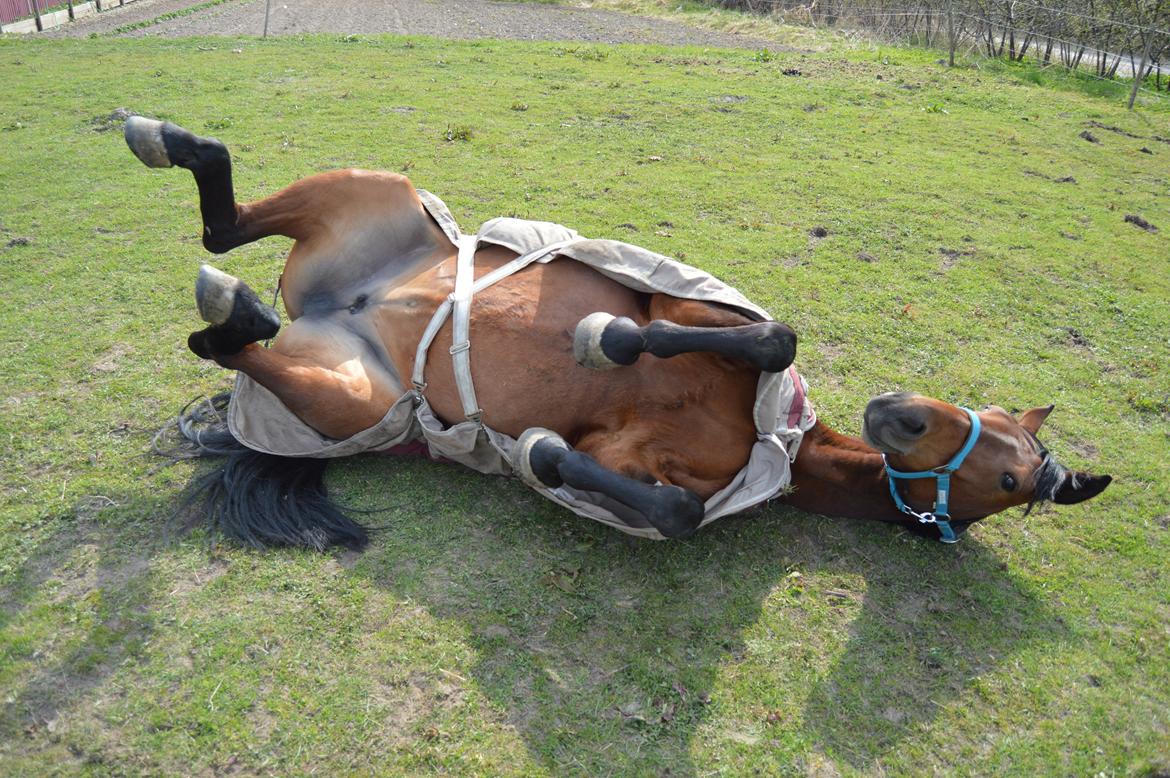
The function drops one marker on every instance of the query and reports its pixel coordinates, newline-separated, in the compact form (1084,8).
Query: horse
(627,401)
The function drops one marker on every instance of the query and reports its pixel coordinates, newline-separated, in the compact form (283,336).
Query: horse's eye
(1008,482)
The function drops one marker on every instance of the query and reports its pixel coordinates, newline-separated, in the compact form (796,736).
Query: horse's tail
(259,499)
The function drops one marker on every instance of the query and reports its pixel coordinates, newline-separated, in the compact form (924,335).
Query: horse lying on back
(630,388)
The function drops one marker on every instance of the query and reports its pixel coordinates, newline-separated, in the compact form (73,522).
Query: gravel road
(465,19)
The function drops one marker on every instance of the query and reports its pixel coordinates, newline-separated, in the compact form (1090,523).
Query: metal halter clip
(940,516)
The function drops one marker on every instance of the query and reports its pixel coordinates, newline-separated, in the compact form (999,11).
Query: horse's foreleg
(603,341)
(543,458)
(162,144)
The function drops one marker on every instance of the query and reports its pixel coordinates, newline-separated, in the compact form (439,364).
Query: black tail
(261,500)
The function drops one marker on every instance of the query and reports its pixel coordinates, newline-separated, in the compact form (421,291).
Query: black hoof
(622,341)
(237,315)
(677,512)
(776,347)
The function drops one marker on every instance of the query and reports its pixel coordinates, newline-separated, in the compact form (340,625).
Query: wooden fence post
(951,29)
(37,14)
(69,3)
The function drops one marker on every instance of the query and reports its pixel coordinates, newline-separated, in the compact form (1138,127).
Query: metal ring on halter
(939,515)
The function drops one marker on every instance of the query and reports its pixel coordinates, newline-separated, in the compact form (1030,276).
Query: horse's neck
(838,475)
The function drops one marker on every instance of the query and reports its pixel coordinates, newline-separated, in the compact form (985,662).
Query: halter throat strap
(939,515)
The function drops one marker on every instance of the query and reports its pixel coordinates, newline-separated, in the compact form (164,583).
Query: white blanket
(782,411)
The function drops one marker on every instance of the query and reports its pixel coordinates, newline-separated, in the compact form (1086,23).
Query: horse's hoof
(677,512)
(145,138)
(215,294)
(535,458)
(226,301)
(587,342)
(236,314)
(777,348)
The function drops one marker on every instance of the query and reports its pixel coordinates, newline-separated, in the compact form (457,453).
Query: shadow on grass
(920,642)
(604,654)
(87,589)
(612,656)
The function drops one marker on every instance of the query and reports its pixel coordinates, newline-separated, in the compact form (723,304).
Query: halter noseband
(940,514)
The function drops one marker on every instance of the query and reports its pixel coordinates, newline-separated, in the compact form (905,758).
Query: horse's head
(1005,464)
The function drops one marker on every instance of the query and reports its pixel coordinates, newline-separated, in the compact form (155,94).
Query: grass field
(976,251)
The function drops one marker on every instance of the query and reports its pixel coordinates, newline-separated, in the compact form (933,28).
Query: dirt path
(466,19)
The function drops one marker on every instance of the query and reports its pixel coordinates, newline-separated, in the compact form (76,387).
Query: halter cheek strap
(940,514)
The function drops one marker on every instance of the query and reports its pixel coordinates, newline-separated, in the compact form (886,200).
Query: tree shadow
(84,606)
(919,642)
(607,655)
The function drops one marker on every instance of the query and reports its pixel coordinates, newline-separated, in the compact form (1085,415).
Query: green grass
(487,632)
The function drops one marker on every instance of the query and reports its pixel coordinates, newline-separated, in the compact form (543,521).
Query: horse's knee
(676,512)
(774,347)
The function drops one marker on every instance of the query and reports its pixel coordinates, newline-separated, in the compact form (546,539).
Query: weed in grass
(459,132)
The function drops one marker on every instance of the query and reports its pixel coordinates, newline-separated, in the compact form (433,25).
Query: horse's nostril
(912,428)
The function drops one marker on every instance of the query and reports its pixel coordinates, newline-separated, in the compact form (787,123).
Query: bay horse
(643,401)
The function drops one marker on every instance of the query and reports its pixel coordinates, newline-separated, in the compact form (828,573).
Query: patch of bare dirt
(458,19)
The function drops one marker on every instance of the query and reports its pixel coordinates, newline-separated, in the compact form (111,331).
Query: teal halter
(940,514)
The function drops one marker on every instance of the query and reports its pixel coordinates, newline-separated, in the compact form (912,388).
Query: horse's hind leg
(603,341)
(236,315)
(293,212)
(543,458)
(315,369)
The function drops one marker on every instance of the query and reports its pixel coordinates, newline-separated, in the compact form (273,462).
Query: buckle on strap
(940,513)
(459,348)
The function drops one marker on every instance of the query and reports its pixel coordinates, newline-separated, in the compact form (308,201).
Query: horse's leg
(236,315)
(603,341)
(226,224)
(162,144)
(543,458)
(315,368)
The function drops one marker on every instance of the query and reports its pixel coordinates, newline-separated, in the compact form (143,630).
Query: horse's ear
(1078,487)
(1032,420)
